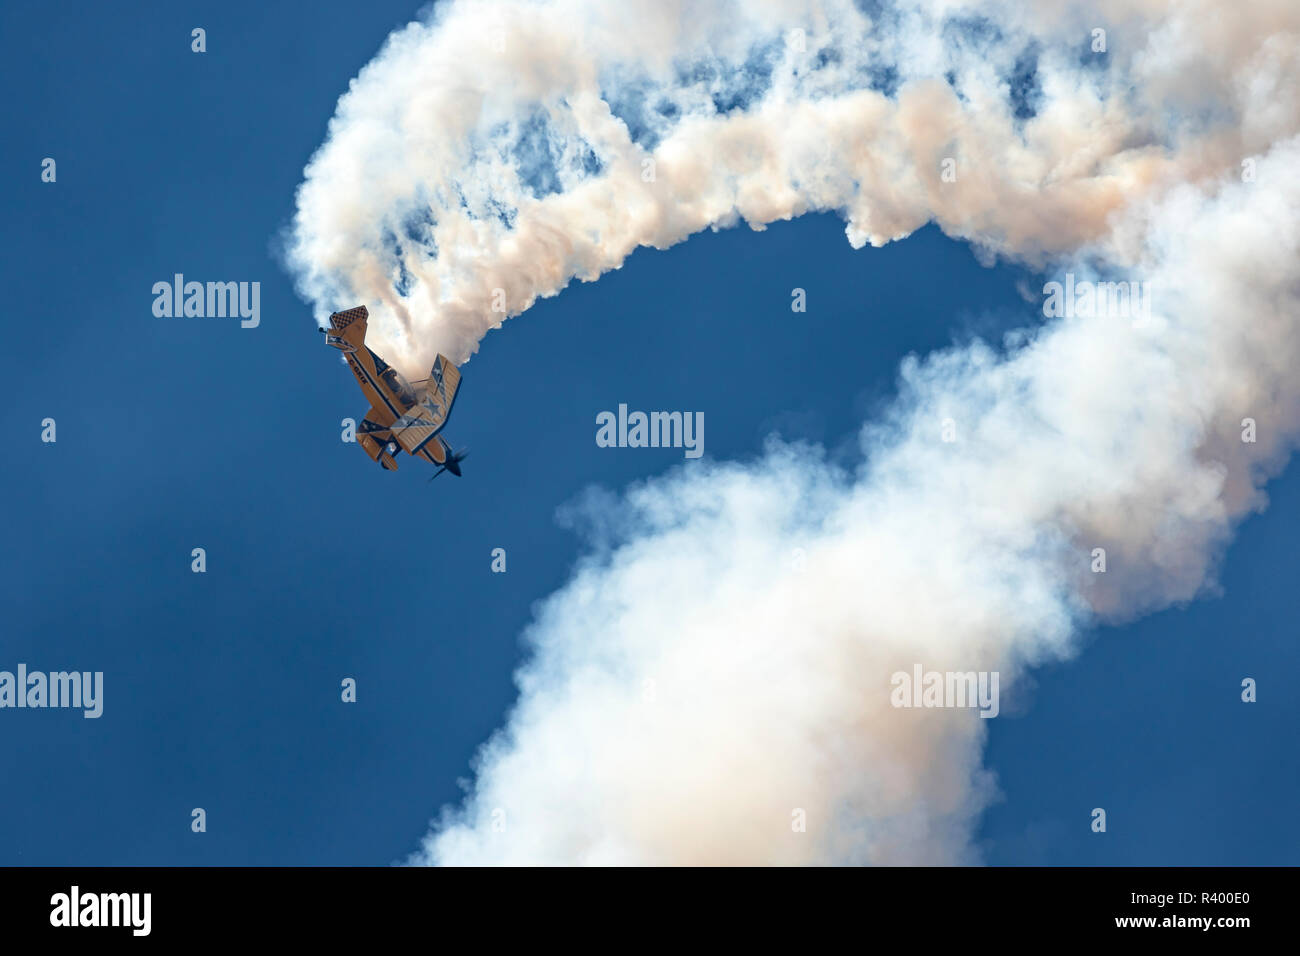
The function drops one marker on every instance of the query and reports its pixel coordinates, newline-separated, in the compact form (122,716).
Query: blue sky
(222,689)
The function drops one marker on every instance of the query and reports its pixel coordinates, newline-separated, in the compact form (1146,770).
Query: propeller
(453,464)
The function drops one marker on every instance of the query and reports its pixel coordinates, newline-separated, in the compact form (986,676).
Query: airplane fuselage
(384,386)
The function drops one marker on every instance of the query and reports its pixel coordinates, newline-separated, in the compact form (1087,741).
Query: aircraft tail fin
(347,329)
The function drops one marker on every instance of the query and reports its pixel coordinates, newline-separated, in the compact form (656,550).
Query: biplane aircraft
(403,416)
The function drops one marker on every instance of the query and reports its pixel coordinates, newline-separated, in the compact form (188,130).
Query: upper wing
(427,417)
(444,380)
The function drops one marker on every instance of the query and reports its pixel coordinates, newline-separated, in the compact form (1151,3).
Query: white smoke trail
(688,689)
(505,145)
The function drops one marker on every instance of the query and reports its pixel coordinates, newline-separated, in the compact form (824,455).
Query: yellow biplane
(402,416)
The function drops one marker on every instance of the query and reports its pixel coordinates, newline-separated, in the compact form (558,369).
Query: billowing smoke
(714,683)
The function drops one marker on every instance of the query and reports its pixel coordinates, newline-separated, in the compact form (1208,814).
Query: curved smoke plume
(692,687)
